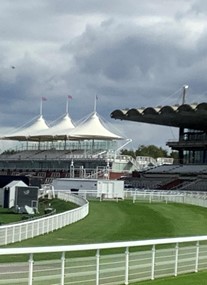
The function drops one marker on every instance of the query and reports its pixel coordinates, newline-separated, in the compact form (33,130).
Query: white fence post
(63,268)
(6,234)
(31,262)
(13,233)
(20,232)
(97,266)
(197,256)
(127,266)
(176,259)
(153,263)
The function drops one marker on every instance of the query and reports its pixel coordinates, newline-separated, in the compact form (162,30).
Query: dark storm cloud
(134,62)
(128,53)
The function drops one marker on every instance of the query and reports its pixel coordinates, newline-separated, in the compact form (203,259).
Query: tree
(150,150)
(128,152)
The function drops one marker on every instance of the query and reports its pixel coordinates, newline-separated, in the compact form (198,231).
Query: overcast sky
(130,54)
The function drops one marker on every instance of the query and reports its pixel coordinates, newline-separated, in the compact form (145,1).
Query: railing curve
(29,229)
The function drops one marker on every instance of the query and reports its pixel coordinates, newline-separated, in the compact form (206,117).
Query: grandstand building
(91,150)
(87,150)
(191,121)
(191,170)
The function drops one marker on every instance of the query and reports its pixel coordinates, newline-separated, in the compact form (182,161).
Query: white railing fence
(136,260)
(20,231)
(165,257)
(185,197)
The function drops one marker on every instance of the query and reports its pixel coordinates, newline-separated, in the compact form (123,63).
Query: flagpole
(41,107)
(67,103)
(67,106)
(95,104)
(41,104)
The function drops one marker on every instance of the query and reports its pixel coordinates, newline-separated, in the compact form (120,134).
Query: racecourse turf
(199,278)
(110,221)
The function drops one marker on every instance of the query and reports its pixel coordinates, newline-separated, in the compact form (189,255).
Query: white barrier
(131,265)
(20,231)
(185,197)
(165,257)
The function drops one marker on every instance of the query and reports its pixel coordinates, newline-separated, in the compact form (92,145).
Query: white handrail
(127,267)
(28,229)
(112,245)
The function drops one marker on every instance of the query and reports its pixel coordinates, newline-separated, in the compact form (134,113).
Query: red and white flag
(44,99)
(70,97)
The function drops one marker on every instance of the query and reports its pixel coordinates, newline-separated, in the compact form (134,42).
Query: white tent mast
(42,99)
(67,104)
(95,103)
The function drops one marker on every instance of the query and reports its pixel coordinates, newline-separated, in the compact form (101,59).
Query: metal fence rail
(137,260)
(134,263)
(184,197)
(29,229)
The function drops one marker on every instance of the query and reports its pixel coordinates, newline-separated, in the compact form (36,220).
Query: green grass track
(199,278)
(109,221)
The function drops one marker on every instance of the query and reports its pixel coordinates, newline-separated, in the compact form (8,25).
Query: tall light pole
(185,87)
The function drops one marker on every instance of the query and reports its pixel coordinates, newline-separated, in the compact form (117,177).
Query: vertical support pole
(38,228)
(127,266)
(31,263)
(197,256)
(62,268)
(26,231)
(97,266)
(32,230)
(134,197)
(43,227)
(176,259)
(6,233)
(13,233)
(48,225)
(20,232)
(153,263)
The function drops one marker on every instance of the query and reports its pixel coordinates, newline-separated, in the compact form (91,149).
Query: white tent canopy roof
(65,123)
(58,131)
(24,133)
(93,128)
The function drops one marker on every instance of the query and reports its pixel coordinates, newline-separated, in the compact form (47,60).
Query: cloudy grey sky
(129,53)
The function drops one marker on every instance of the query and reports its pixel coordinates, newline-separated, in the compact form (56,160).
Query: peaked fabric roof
(93,128)
(58,131)
(65,123)
(24,133)
(191,116)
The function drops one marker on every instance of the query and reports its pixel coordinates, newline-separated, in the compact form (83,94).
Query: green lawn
(9,216)
(110,221)
(188,279)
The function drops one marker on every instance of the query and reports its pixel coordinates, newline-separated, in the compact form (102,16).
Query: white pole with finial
(185,87)
(42,99)
(95,103)
(67,103)
(41,107)
(66,110)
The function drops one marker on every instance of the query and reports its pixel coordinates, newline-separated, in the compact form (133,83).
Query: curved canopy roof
(191,116)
